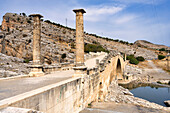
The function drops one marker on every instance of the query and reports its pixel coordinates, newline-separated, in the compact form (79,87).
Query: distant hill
(144,43)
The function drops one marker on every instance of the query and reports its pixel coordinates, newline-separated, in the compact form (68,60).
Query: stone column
(79,37)
(36,68)
(79,68)
(125,56)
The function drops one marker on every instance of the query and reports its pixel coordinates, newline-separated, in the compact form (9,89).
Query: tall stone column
(36,68)
(79,65)
(79,37)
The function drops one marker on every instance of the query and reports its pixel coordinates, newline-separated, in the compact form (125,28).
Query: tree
(24,14)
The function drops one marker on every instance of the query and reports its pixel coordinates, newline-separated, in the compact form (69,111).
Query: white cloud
(125,19)
(99,10)
(99,13)
(139,1)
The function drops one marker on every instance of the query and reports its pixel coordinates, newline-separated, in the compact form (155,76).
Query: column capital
(79,10)
(36,15)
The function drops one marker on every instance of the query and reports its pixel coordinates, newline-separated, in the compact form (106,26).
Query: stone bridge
(64,91)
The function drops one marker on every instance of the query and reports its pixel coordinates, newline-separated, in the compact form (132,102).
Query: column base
(36,74)
(80,71)
(36,71)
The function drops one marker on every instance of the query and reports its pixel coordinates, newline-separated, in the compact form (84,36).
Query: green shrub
(26,60)
(94,48)
(162,49)
(140,58)
(129,57)
(134,61)
(160,57)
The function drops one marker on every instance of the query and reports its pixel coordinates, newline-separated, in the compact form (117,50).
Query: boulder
(167,103)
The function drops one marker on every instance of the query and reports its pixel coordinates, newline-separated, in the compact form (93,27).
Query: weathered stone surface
(18,110)
(79,37)
(36,69)
(12,66)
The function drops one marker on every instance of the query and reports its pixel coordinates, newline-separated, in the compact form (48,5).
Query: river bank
(120,99)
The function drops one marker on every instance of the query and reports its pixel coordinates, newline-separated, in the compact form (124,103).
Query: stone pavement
(13,87)
(9,88)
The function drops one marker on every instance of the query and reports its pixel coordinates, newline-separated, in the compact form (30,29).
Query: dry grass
(162,64)
(144,64)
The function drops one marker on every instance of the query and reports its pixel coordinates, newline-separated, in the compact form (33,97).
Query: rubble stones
(12,66)
(119,94)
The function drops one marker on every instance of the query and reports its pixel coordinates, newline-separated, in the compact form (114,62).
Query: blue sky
(128,20)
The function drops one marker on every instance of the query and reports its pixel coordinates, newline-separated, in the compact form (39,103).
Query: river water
(151,93)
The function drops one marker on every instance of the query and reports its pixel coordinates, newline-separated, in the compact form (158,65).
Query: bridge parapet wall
(68,96)
(63,97)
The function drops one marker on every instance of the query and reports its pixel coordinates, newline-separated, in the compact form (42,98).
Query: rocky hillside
(12,66)
(17,36)
(144,43)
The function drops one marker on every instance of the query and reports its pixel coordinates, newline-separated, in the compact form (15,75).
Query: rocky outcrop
(12,66)
(18,42)
(131,70)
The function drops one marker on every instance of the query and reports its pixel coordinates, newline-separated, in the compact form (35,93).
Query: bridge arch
(118,68)
(113,72)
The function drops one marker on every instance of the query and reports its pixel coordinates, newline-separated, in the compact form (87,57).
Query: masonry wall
(58,98)
(67,97)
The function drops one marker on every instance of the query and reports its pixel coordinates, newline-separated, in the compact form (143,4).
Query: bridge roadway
(13,87)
